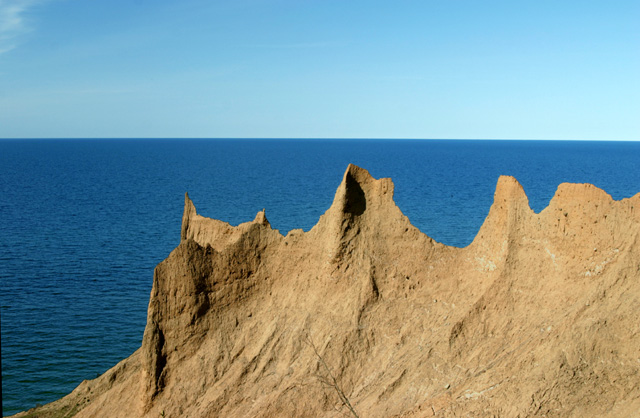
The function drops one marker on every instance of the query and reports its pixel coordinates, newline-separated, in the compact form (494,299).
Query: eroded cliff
(537,317)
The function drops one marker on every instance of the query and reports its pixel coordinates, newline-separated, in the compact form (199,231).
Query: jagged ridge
(538,316)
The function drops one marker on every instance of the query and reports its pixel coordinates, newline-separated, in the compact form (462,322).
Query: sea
(83,223)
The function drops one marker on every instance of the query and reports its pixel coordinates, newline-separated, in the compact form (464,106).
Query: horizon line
(311,138)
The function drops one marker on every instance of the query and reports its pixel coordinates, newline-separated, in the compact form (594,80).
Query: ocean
(84,222)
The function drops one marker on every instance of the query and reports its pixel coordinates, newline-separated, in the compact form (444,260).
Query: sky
(320,69)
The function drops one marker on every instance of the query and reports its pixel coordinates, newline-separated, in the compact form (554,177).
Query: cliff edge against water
(365,314)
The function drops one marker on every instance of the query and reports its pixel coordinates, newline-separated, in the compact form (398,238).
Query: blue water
(83,223)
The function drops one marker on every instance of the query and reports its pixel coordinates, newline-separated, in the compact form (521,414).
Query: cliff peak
(261,218)
(359,189)
(362,211)
(509,190)
(188,213)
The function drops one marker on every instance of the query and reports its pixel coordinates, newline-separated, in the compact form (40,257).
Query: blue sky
(320,68)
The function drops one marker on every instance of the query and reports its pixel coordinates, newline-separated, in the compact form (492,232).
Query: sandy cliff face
(537,317)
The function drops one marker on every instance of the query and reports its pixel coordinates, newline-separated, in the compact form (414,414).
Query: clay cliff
(364,314)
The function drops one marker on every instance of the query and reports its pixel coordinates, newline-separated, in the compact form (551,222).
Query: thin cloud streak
(12,22)
(300,45)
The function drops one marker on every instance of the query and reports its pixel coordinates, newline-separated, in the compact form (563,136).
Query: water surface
(84,222)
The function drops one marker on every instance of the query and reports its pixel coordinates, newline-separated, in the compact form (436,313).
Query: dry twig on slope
(329,380)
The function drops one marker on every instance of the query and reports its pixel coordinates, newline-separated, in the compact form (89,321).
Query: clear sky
(320,68)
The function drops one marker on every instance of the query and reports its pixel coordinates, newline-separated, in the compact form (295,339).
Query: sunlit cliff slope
(365,314)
